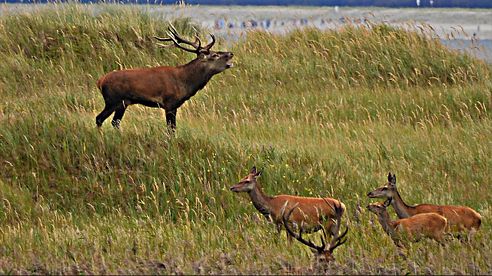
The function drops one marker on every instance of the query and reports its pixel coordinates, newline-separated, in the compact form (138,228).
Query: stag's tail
(100,82)
(103,87)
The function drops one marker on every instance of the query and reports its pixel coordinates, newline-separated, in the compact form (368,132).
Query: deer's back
(425,224)
(459,217)
(309,210)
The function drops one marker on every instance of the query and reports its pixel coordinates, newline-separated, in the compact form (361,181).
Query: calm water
(481,49)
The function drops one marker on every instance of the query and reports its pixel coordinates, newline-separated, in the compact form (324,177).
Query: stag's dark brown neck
(260,200)
(401,208)
(386,223)
(195,75)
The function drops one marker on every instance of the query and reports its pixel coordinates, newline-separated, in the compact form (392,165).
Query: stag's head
(214,61)
(323,252)
(248,183)
(387,191)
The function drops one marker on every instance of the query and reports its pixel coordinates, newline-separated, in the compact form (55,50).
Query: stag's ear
(253,170)
(393,180)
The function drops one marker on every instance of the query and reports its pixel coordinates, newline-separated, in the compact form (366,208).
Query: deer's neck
(261,201)
(195,76)
(401,208)
(387,224)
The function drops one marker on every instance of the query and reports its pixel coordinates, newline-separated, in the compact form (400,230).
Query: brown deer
(322,253)
(459,217)
(412,228)
(165,86)
(313,213)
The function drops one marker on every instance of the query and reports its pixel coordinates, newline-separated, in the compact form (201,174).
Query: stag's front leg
(171,120)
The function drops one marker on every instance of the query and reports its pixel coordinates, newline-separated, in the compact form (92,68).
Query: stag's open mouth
(229,64)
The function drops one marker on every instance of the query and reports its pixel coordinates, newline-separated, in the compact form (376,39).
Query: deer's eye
(215,55)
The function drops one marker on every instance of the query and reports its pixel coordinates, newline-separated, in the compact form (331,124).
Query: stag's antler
(207,48)
(299,237)
(177,40)
(335,242)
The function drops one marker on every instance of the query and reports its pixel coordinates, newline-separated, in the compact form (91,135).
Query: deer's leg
(118,115)
(289,237)
(399,243)
(279,231)
(108,109)
(333,228)
(279,228)
(171,119)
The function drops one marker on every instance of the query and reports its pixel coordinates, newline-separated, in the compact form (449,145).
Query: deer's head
(378,208)
(323,252)
(388,191)
(248,183)
(214,62)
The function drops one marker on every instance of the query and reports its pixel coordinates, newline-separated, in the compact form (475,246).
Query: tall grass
(321,112)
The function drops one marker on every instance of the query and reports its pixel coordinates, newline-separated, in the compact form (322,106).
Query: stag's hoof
(116,123)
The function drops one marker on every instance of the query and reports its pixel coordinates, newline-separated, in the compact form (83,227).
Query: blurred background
(463,25)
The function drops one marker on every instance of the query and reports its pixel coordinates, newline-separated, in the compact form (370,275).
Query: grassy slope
(323,113)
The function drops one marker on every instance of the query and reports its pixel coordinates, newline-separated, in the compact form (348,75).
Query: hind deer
(163,87)
(412,228)
(459,217)
(322,254)
(313,213)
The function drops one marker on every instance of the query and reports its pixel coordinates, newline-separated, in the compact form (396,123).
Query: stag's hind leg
(108,109)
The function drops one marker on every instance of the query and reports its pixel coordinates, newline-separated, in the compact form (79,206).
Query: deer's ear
(387,202)
(253,170)
(258,174)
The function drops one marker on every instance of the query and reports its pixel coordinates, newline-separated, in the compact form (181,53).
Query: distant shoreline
(465,4)
(455,26)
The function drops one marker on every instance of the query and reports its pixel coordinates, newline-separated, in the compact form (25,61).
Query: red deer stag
(412,228)
(313,213)
(459,217)
(322,254)
(165,86)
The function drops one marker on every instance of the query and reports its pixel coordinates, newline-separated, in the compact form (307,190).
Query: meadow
(322,113)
